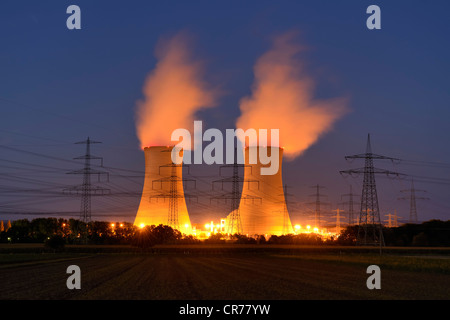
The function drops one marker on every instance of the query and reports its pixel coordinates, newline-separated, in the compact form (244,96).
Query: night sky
(60,86)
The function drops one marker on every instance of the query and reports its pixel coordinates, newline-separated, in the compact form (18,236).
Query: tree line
(73,231)
(58,232)
(433,233)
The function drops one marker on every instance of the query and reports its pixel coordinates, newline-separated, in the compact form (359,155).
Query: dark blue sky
(58,86)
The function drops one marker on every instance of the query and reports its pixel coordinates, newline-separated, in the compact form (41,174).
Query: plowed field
(178,276)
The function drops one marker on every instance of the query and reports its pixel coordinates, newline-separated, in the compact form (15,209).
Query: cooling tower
(163,200)
(262,207)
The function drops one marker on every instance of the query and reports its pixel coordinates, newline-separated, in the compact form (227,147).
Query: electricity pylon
(350,203)
(412,201)
(370,229)
(234,223)
(390,222)
(338,219)
(317,204)
(86,189)
(174,195)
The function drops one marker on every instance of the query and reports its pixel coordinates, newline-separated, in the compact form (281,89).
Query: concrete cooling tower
(163,200)
(262,207)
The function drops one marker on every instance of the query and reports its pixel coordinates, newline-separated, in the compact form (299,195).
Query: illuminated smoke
(173,92)
(282,98)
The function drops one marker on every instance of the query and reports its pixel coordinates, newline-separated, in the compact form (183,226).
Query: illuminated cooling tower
(163,200)
(262,207)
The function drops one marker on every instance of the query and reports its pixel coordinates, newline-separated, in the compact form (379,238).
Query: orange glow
(282,98)
(173,92)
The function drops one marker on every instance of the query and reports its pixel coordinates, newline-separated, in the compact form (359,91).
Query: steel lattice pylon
(369,215)
(86,189)
(370,229)
(173,201)
(234,223)
(412,201)
(317,203)
(350,204)
(174,195)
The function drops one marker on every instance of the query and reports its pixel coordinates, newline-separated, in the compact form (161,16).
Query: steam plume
(173,92)
(282,98)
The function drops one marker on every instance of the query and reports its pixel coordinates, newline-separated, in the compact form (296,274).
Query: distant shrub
(297,239)
(215,239)
(189,239)
(150,236)
(243,239)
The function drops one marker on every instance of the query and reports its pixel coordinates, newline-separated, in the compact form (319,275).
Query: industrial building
(163,199)
(262,208)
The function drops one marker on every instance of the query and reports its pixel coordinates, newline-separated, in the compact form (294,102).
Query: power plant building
(163,199)
(262,208)
(262,205)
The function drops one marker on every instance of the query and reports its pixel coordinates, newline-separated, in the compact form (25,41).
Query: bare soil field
(252,276)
